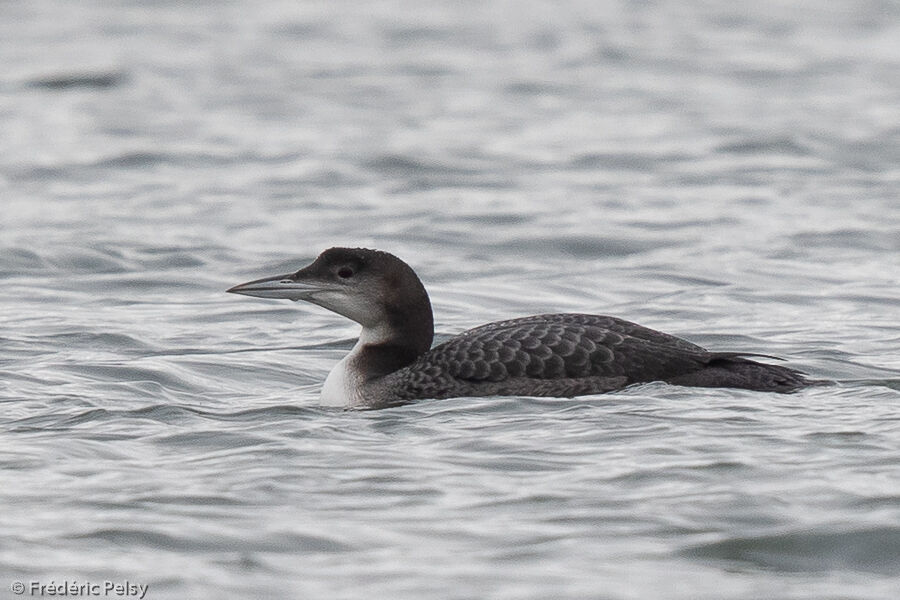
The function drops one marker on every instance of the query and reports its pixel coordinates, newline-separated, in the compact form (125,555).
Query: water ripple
(874,550)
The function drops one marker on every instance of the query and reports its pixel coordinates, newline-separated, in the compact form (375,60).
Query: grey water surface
(726,172)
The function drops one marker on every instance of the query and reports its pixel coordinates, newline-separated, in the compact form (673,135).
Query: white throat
(344,384)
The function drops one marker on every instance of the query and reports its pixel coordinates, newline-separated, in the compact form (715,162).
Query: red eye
(345,272)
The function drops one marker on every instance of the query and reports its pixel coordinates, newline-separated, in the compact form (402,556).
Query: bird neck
(379,351)
(402,333)
(395,342)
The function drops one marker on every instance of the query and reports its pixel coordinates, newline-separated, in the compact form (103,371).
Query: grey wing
(567,346)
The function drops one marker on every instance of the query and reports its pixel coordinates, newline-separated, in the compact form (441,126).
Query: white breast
(337,390)
(343,386)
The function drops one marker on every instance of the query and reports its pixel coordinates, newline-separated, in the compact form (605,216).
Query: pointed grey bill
(281,287)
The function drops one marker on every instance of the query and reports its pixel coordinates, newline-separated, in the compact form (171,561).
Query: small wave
(64,81)
(874,550)
(14,261)
(125,373)
(171,414)
(56,422)
(117,342)
(766,146)
(394,164)
(423,174)
(283,542)
(190,500)
(625,161)
(212,440)
(583,246)
(849,239)
(89,260)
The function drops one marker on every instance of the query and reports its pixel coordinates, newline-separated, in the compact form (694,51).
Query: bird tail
(734,370)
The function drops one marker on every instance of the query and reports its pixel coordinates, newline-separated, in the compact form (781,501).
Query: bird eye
(345,272)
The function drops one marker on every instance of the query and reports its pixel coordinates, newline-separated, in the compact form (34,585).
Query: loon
(557,355)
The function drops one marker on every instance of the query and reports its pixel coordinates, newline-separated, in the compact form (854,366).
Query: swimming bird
(557,355)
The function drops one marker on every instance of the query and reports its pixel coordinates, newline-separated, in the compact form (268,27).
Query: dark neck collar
(405,336)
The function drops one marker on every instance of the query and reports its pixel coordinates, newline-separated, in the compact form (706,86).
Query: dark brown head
(376,289)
